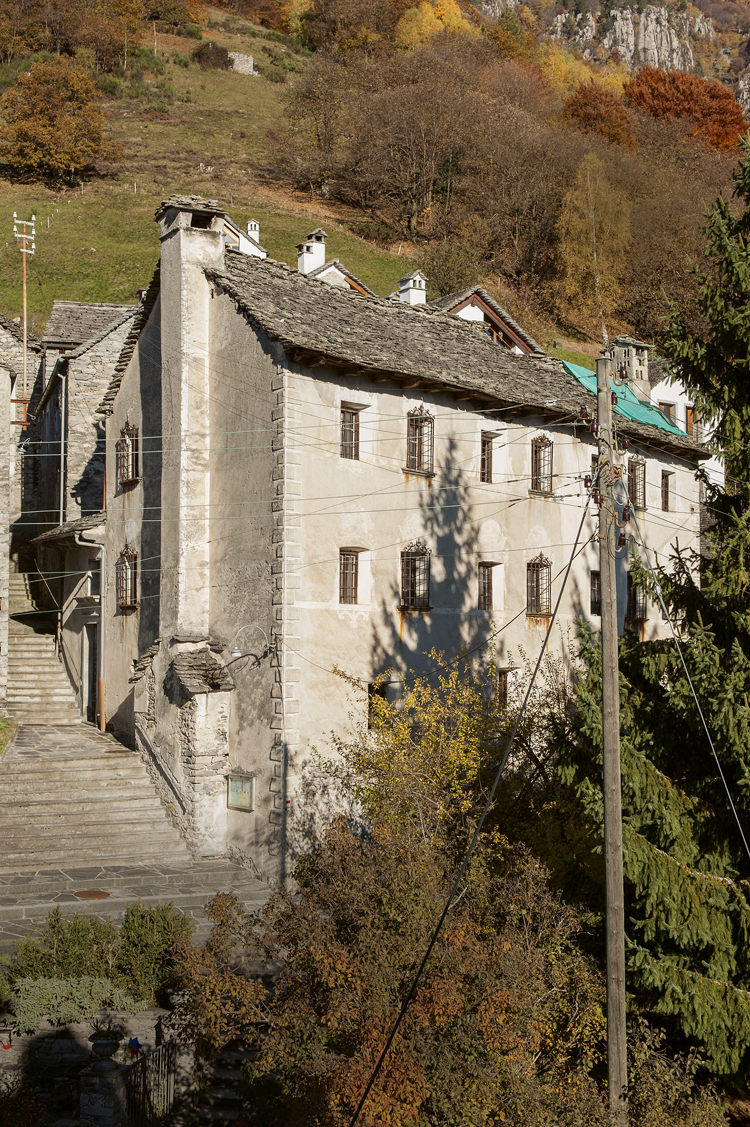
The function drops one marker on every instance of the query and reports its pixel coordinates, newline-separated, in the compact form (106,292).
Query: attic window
(127,456)
(201,220)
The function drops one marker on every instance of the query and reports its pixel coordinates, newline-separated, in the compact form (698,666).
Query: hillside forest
(480,145)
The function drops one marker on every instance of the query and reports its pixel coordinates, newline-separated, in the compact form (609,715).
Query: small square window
(541,464)
(349,433)
(485,586)
(348,575)
(485,468)
(668,409)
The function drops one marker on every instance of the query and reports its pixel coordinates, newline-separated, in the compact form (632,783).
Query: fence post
(103,1096)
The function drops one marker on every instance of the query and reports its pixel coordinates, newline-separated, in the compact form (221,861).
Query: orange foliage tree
(53,129)
(597,109)
(718,118)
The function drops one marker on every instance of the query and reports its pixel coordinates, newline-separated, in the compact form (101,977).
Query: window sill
(128,606)
(414,610)
(539,614)
(419,473)
(541,493)
(128,481)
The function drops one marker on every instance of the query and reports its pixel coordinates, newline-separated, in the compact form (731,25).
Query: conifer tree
(687,868)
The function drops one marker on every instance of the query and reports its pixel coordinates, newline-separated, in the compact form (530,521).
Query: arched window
(539,586)
(127,455)
(126,574)
(419,441)
(415,576)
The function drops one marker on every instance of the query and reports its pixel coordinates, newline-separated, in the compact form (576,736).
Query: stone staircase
(219,1102)
(74,797)
(39,689)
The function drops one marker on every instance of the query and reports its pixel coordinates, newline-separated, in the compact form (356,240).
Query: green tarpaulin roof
(628,403)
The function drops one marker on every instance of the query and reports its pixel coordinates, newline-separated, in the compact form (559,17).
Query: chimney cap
(415,274)
(317,236)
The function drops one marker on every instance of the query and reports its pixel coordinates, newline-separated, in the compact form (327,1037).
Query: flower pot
(104,1045)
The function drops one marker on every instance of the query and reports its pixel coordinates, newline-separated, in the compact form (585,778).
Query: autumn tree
(594,235)
(597,109)
(711,107)
(54,130)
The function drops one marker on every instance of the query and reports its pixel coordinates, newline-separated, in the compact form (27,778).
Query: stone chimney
(253,230)
(632,355)
(312,253)
(413,288)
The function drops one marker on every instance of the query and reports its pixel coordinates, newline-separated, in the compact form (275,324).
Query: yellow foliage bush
(417,25)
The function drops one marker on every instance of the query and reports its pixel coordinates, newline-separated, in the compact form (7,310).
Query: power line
(475,838)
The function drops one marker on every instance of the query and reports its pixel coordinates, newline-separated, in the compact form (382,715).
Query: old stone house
(302,478)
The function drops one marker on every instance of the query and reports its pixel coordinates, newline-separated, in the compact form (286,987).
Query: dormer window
(127,456)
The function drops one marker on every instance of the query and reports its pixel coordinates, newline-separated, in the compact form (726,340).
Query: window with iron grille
(349,433)
(127,455)
(415,576)
(637,482)
(596,592)
(502,688)
(541,464)
(485,586)
(539,586)
(420,434)
(693,423)
(375,692)
(485,468)
(348,575)
(126,574)
(637,607)
(665,491)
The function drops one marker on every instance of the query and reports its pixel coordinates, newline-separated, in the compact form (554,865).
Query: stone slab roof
(140,318)
(658,370)
(73,322)
(74,353)
(71,527)
(432,347)
(319,271)
(200,671)
(15,328)
(189,203)
(451,300)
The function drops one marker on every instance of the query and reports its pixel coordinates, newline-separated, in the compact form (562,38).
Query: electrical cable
(657,588)
(475,838)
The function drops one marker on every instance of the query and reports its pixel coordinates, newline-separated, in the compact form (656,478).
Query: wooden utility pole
(24,237)
(617,1053)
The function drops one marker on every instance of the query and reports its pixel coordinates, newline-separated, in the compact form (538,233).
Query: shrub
(191,31)
(210,56)
(65,1000)
(136,957)
(108,85)
(180,60)
(21,1107)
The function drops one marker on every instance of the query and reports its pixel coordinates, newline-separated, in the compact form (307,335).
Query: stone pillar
(103,1096)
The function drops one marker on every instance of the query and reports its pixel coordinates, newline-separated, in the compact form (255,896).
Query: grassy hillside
(186,130)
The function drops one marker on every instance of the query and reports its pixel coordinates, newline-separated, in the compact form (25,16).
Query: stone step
(86,837)
(116,904)
(51,720)
(123,766)
(38,817)
(217,872)
(97,850)
(93,791)
(152,823)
